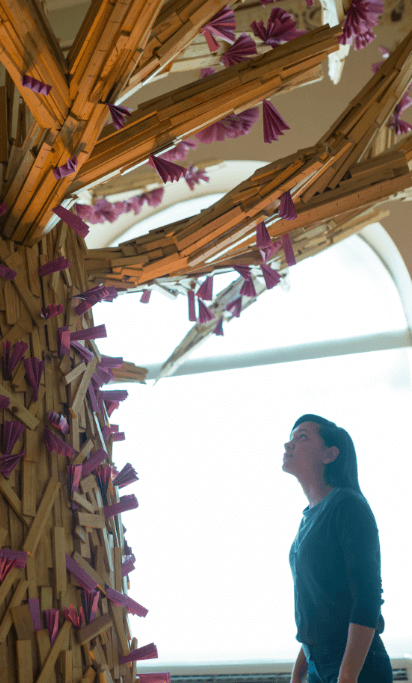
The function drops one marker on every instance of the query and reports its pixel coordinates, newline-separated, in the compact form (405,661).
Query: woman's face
(305,447)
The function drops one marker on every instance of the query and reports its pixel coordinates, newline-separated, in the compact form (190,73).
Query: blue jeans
(324,660)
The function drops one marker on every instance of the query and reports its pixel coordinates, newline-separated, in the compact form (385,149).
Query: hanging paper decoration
(122,600)
(34,370)
(273,123)
(52,623)
(54,266)
(205,290)
(51,310)
(194,175)
(235,307)
(126,476)
(114,395)
(240,51)
(12,431)
(77,619)
(34,607)
(167,169)
(207,72)
(128,565)
(144,299)
(58,421)
(178,153)
(85,354)
(4,402)
(63,342)
(191,302)
(231,126)
(219,328)
(3,209)
(360,17)
(264,243)
(248,288)
(90,600)
(12,358)
(110,362)
(7,272)
(68,168)
(98,293)
(54,443)
(280,29)
(287,208)
(72,220)
(82,578)
(221,25)
(288,249)
(103,474)
(205,314)
(397,123)
(35,85)
(118,115)
(272,277)
(98,332)
(385,54)
(93,462)
(146,652)
(128,502)
(8,462)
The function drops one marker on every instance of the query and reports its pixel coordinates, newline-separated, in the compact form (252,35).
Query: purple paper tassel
(146,652)
(34,370)
(85,354)
(128,565)
(235,307)
(248,289)
(103,474)
(205,314)
(4,402)
(125,601)
(263,242)
(126,476)
(114,395)
(90,600)
(34,607)
(72,220)
(83,307)
(272,277)
(118,115)
(60,263)
(93,462)
(205,290)
(288,249)
(144,299)
(54,443)
(109,362)
(6,272)
(83,579)
(52,622)
(35,85)
(63,342)
(240,51)
(191,301)
(68,168)
(77,619)
(222,25)
(273,123)
(167,170)
(51,310)
(97,332)
(287,208)
(12,358)
(126,503)
(219,328)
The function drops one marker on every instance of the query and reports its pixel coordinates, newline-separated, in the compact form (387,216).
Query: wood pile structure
(62,536)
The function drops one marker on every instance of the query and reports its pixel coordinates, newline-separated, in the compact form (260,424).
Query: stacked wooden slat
(326,181)
(160,123)
(129,372)
(37,504)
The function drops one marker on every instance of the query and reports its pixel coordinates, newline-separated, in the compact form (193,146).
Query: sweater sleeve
(358,537)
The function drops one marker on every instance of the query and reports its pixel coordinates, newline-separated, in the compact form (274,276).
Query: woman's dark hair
(343,471)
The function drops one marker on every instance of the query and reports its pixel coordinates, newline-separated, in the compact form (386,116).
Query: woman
(335,562)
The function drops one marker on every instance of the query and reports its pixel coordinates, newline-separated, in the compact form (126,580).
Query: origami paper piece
(207,72)
(10,559)
(83,307)
(122,600)
(235,307)
(178,153)
(74,474)
(12,358)
(397,123)
(154,198)
(90,600)
(52,623)
(85,354)
(385,52)
(240,51)
(83,579)
(272,277)
(126,476)
(205,290)
(118,115)
(98,293)
(126,503)
(6,272)
(288,249)
(118,436)
(54,443)
(60,263)
(280,29)
(146,652)
(287,208)
(273,123)
(103,474)
(12,431)
(248,289)
(51,310)
(111,406)
(144,299)
(360,17)
(105,374)
(93,462)
(63,343)
(8,462)
(4,402)
(3,209)
(77,619)
(59,421)
(167,170)
(126,548)
(98,332)
(68,168)
(128,565)
(191,302)
(205,314)
(231,126)
(110,362)
(221,25)
(35,85)
(114,395)
(5,566)
(34,370)
(34,607)
(263,242)
(72,220)
(194,175)
(219,328)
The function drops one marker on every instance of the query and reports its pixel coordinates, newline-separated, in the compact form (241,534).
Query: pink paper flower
(180,152)
(240,51)
(58,421)
(77,619)
(288,249)
(51,310)
(231,126)
(205,314)
(194,175)
(72,220)
(126,476)
(218,331)
(205,290)
(7,272)
(272,277)
(360,17)
(235,307)
(287,208)
(35,85)
(273,123)
(12,358)
(280,29)
(68,168)
(221,25)
(118,115)
(60,263)
(167,170)
(34,370)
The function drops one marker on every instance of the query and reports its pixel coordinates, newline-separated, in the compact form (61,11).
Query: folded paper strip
(221,25)
(34,371)
(273,123)
(51,310)
(90,600)
(68,168)
(280,29)
(219,328)
(10,559)
(35,85)
(12,431)
(83,579)
(144,299)
(51,617)
(118,115)
(167,170)
(60,263)
(205,314)
(126,503)
(205,290)
(76,618)
(72,220)
(126,476)
(94,461)
(360,17)
(122,600)
(97,332)
(146,652)
(12,358)
(34,607)
(54,443)
(241,50)
(7,272)
(128,565)
(235,307)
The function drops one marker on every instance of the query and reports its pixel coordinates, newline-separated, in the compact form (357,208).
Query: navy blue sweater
(336,566)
